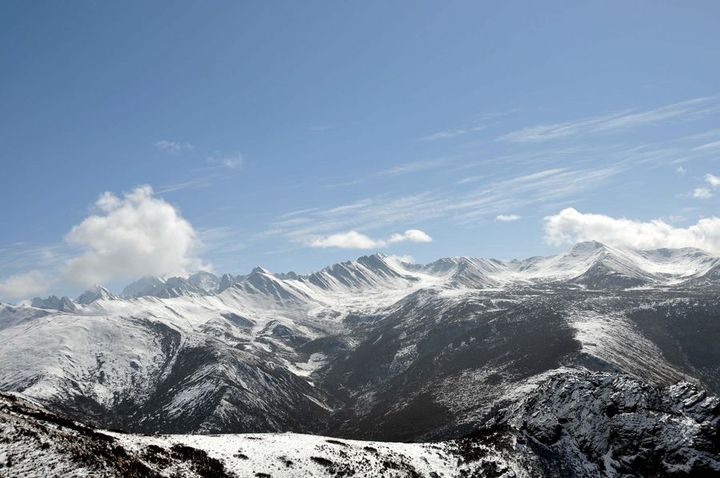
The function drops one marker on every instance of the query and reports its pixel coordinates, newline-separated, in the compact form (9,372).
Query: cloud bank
(570,226)
(357,240)
(131,236)
(21,286)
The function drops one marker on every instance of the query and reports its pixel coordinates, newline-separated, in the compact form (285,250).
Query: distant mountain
(227,281)
(98,292)
(53,302)
(205,281)
(366,272)
(591,265)
(200,283)
(147,286)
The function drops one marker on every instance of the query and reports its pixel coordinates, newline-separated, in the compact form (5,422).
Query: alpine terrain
(599,361)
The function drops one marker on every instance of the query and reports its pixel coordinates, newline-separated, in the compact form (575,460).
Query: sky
(158,138)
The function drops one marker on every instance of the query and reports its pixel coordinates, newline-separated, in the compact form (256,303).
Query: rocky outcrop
(63,304)
(601,424)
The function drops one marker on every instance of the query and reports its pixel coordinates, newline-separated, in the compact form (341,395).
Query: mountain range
(565,363)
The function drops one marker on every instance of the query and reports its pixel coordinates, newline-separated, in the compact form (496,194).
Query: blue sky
(278,131)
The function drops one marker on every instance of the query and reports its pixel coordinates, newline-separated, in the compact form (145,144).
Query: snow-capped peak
(260,270)
(97,292)
(591,264)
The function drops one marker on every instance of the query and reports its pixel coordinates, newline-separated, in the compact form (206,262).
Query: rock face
(63,304)
(582,424)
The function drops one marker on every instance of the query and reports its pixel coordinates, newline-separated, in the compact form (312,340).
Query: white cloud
(507,217)
(613,122)
(231,161)
(129,237)
(681,170)
(702,193)
(346,240)
(712,180)
(405,259)
(173,146)
(570,226)
(705,192)
(411,235)
(24,286)
(357,240)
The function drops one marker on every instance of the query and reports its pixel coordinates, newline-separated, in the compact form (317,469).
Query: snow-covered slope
(372,348)
(37,443)
(601,266)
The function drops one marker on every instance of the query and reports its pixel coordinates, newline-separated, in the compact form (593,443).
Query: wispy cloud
(481,123)
(706,192)
(507,217)
(472,179)
(415,166)
(229,161)
(451,133)
(623,120)
(485,200)
(28,270)
(712,146)
(221,240)
(18,256)
(24,286)
(409,167)
(190,184)
(357,240)
(173,146)
(702,193)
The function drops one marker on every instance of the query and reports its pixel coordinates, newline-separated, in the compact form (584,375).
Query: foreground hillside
(573,424)
(37,443)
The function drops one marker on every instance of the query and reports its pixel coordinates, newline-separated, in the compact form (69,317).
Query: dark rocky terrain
(576,424)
